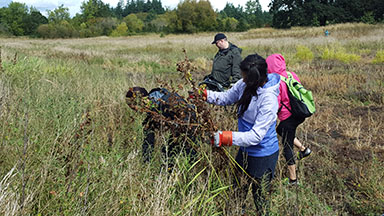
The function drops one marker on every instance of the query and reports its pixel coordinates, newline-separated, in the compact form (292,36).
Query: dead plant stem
(24,159)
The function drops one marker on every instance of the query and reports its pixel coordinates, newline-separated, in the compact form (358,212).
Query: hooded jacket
(226,64)
(257,135)
(276,64)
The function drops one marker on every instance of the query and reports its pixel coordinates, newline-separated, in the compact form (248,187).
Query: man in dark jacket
(226,64)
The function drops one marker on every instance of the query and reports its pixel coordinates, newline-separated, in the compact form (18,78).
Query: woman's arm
(228,97)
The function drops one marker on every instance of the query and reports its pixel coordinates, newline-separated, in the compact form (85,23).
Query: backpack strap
(286,81)
(281,107)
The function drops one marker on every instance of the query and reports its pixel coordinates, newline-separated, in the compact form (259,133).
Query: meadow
(69,145)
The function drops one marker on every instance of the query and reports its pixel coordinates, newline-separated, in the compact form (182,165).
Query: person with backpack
(226,65)
(288,122)
(164,108)
(256,98)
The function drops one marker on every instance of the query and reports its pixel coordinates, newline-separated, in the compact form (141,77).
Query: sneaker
(303,154)
(289,182)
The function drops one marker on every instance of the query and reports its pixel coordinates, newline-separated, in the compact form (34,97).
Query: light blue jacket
(257,133)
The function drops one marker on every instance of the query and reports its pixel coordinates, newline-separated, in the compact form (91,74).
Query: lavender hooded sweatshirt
(257,134)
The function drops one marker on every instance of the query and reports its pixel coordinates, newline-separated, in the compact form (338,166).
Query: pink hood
(276,64)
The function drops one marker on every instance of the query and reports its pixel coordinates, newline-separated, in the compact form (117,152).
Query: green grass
(75,145)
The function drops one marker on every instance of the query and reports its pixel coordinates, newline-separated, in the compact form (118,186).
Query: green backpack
(300,99)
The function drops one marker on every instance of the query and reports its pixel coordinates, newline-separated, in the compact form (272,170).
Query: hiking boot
(303,154)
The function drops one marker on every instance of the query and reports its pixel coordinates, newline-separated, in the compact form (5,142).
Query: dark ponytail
(254,71)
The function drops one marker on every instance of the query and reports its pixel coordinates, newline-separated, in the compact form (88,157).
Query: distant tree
(253,7)
(287,13)
(57,30)
(206,16)
(160,23)
(368,18)
(254,13)
(59,24)
(58,15)
(157,7)
(231,11)
(84,31)
(43,31)
(64,30)
(14,17)
(33,21)
(101,26)
(139,6)
(119,10)
(196,16)
(146,18)
(4,28)
(77,20)
(95,8)
(284,13)
(351,10)
(121,30)
(107,24)
(174,24)
(147,6)
(319,12)
(242,25)
(134,24)
(242,16)
(220,23)
(130,7)
(377,7)
(187,16)
(267,18)
(230,24)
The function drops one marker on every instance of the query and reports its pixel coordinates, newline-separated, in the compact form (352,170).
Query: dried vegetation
(69,145)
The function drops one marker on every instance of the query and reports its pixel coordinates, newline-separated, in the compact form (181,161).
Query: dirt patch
(347,153)
(367,122)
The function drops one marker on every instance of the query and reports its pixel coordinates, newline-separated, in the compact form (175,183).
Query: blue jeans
(261,170)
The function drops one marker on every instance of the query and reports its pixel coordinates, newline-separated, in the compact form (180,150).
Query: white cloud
(74,5)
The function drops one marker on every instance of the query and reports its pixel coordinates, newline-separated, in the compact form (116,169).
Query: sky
(74,5)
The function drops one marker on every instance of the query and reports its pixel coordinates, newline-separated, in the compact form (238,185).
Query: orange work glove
(222,138)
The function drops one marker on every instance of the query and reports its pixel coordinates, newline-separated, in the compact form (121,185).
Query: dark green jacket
(226,64)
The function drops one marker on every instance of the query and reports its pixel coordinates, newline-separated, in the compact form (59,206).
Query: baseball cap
(218,36)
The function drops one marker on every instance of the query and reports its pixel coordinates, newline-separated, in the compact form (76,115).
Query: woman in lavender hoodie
(256,98)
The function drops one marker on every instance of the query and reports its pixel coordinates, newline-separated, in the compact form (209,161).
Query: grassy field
(71,146)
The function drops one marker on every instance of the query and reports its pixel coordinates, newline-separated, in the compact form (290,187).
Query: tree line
(288,13)
(97,18)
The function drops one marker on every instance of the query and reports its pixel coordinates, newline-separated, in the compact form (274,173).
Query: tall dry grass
(71,146)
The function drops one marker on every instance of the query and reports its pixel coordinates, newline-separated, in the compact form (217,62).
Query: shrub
(230,24)
(303,53)
(43,30)
(368,18)
(346,57)
(4,30)
(133,23)
(339,54)
(121,30)
(379,57)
